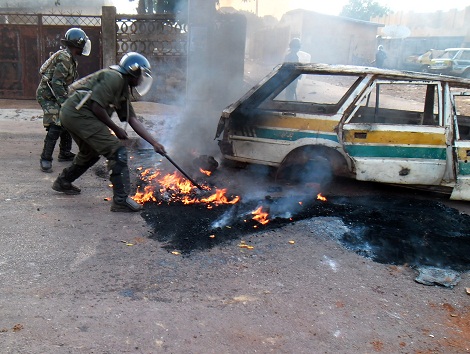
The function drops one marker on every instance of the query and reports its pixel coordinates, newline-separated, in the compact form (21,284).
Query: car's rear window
(319,89)
(465,55)
(449,54)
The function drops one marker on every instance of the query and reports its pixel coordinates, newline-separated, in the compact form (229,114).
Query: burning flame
(260,215)
(205,172)
(220,198)
(176,183)
(175,188)
(320,197)
(145,196)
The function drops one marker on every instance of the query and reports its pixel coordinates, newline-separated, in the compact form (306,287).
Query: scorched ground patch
(391,230)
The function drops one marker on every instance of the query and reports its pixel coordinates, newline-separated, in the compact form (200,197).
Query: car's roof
(457,49)
(361,70)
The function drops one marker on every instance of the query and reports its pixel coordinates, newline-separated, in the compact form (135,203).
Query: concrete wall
(452,23)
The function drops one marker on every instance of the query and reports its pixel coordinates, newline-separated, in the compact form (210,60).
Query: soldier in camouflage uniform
(86,114)
(57,73)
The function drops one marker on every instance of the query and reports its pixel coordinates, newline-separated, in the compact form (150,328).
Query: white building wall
(441,24)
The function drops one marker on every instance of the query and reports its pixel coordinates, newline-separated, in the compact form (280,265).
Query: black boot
(128,205)
(121,200)
(53,133)
(121,184)
(46,165)
(65,146)
(63,183)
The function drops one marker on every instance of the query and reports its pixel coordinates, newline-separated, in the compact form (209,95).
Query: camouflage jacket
(58,72)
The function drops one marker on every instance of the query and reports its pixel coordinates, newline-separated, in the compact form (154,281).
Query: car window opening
(316,94)
(389,103)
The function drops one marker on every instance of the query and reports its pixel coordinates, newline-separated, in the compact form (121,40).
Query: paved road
(70,285)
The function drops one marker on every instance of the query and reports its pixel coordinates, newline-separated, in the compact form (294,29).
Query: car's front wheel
(313,169)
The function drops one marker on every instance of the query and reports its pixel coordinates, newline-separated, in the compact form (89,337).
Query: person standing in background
(57,73)
(380,56)
(292,57)
(294,47)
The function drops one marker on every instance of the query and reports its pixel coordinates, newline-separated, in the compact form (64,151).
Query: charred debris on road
(390,230)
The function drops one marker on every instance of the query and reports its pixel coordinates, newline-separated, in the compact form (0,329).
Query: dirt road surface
(69,284)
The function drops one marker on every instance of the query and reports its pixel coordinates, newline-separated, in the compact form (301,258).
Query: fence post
(42,56)
(109,37)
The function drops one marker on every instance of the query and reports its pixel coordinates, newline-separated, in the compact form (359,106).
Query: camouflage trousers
(49,105)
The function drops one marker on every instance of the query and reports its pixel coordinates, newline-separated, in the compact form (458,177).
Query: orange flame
(205,172)
(320,197)
(175,188)
(220,198)
(176,183)
(260,215)
(145,196)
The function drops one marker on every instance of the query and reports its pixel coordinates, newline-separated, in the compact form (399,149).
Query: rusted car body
(454,61)
(422,62)
(367,123)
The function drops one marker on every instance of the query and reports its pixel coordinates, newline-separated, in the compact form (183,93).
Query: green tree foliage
(364,9)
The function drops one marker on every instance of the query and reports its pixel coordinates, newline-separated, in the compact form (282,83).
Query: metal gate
(26,40)
(163,40)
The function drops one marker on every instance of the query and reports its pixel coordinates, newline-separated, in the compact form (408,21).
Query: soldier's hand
(121,133)
(159,148)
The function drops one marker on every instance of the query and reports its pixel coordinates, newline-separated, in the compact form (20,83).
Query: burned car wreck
(313,121)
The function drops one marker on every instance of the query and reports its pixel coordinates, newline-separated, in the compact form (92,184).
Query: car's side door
(461,115)
(461,63)
(396,134)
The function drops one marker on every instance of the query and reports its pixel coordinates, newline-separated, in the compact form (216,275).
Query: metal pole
(184,173)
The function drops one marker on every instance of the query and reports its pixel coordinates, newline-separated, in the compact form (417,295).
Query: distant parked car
(454,61)
(423,61)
